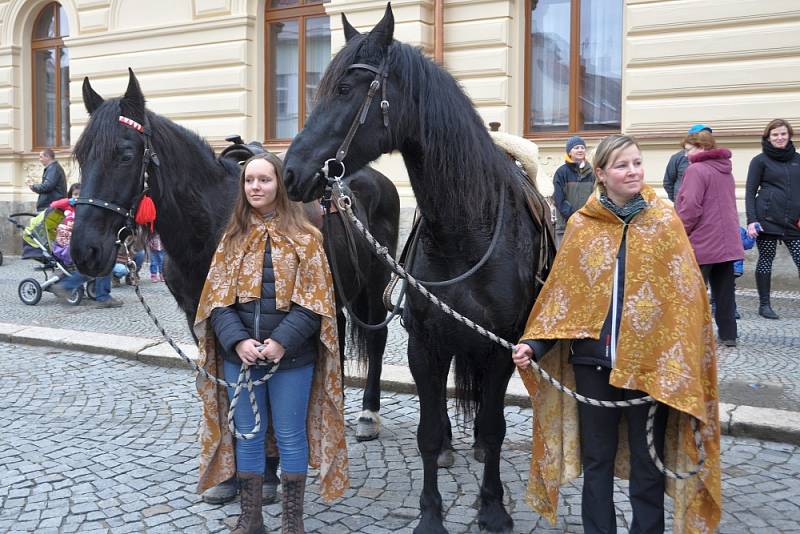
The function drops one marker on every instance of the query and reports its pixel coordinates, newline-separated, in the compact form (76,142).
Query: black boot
(763,282)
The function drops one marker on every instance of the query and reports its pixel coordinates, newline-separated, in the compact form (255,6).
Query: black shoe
(763,283)
(222,492)
(728,342)
(737,316)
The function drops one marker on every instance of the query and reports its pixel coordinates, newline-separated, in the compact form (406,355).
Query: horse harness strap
(379,82)
(148,156)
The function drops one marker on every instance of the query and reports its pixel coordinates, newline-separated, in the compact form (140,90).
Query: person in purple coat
(706,204)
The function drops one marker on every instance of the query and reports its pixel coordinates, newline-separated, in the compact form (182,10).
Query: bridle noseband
(149,155)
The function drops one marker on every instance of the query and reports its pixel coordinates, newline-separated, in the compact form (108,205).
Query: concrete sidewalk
(736,420)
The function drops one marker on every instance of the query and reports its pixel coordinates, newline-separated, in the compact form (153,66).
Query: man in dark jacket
(573,183)
(54,182)
(676,167)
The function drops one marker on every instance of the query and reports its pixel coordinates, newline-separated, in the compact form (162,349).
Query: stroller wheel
(29,291)
(76,296)
(90,289)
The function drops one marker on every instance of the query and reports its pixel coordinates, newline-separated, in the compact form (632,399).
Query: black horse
(194,193)
(464,187)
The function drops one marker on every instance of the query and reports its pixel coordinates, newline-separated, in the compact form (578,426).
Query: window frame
(307,9)
(574,82)
(37,44)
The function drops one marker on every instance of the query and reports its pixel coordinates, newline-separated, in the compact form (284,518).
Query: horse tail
(468,386)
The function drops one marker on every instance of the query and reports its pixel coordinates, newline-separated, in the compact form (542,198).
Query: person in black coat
(677,164)
(54,181)
(772,200)
(573,183)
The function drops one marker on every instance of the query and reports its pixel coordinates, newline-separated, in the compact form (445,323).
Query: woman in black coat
(773,204)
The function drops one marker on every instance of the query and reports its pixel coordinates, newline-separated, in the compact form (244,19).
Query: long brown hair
(291,217)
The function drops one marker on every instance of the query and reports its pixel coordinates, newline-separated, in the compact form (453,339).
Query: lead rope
(344,203)
(244,380)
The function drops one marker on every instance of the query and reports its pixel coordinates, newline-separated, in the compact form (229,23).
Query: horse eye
(126,158)
(344,89)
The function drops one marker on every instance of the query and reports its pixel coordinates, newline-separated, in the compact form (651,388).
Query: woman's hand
(522,355)
(248,352)
(752,231)
(273,351)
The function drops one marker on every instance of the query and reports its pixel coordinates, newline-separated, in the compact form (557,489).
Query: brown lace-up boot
(294,489)
(250,520)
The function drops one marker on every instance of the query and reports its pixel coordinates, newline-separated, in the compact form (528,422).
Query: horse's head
(343,92)
(110,154)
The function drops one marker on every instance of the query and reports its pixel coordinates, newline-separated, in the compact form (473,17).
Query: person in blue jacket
(573,183)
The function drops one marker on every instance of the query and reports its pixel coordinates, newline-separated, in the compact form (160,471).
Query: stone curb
(735,420)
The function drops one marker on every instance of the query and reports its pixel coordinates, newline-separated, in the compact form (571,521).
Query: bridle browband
(149,155)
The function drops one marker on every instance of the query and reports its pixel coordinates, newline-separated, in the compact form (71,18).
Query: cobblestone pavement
(100,444)
(762,371)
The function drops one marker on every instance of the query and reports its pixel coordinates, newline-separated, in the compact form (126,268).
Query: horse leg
(490,430)
(369,422)
(429,434)
(446,457)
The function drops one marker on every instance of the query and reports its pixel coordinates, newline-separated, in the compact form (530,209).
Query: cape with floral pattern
(666,348)
(302,276)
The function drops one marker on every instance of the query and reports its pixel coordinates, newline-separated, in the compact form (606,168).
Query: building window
(573,79)
(50,71)
(298,40)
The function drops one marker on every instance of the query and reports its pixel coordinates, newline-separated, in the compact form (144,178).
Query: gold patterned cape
(666,348)
(302,276)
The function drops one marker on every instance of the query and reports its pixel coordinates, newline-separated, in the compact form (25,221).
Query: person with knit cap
(676,167)
(623,314)
(706,204)
(573,183)
(772,199)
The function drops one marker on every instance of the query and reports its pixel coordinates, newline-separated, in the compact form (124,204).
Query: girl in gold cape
(302,276)
(665,346)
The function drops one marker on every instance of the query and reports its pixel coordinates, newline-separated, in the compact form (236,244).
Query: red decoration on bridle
(132,123)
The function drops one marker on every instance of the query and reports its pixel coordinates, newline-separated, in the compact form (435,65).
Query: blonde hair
(291,216)
(609,146)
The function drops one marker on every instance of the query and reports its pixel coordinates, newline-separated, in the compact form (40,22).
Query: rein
(345,204)
(149,155)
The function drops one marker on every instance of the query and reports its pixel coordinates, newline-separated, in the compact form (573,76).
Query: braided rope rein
(244,380)
(344,204)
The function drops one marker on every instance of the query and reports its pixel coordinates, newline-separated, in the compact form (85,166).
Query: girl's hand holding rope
(272,350)
(248,351)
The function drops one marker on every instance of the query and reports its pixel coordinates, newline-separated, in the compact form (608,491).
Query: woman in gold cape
(665,348)
(302,276)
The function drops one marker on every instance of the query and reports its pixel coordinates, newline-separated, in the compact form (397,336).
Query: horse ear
(349,31)
(134,99)
(91,99)
(383,32)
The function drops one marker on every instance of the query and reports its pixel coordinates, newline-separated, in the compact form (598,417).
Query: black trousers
(599,434)
(723,290)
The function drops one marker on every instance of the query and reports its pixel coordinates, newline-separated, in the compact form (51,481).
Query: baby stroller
(38,238)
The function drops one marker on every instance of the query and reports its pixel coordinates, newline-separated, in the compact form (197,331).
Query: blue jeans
(284,399)
(121,270)
(102,285)
(157,262)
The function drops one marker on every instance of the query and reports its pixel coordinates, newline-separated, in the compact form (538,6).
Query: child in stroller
(38,239)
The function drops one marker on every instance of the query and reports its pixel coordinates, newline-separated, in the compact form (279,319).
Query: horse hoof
(446,459)
(494,518)
(368,427)
(430,527)
(269,493)
(479,453)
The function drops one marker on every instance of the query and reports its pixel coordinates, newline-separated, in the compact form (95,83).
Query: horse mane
(458,149)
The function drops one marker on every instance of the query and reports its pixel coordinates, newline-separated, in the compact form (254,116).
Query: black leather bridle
(149,155)
(379,82)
